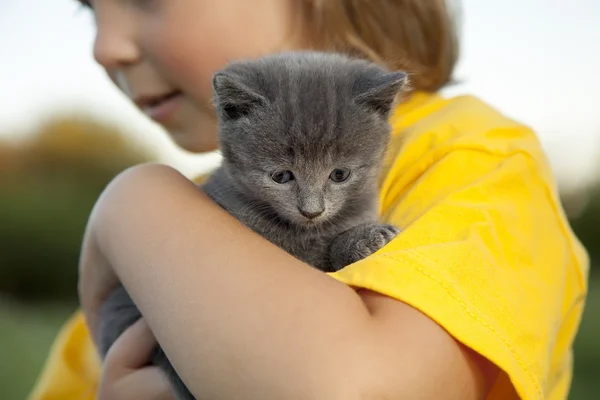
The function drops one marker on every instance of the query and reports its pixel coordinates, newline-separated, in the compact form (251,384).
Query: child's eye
(143,4)
(339,175)
(85,3)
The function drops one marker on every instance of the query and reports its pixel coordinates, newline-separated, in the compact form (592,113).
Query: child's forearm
(239,318)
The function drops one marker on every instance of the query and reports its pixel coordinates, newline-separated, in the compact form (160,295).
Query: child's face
(162,53)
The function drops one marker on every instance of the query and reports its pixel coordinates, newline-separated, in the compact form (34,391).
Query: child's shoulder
(467,109)
(433,124)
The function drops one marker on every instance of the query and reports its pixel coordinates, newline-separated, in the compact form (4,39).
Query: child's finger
(132,349)
(147,383)
(126,373)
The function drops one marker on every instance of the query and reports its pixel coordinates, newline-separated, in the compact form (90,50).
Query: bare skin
(297,333)
(126,370)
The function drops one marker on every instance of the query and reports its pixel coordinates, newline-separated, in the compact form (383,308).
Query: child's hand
(125,373)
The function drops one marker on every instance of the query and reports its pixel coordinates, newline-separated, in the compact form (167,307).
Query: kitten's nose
(310,214)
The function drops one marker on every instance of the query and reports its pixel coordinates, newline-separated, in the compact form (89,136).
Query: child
(480,296)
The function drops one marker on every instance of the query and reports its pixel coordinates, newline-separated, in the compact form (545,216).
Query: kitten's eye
(282,176)
(339,175)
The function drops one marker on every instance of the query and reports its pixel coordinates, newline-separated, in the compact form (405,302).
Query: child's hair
(418,36)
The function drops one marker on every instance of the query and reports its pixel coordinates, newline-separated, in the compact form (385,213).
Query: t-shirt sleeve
(485,252)
(72,369)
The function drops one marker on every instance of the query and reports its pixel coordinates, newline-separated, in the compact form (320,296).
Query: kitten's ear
(379,92)
(233,98)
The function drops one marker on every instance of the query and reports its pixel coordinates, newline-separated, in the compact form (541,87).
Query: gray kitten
(302,137)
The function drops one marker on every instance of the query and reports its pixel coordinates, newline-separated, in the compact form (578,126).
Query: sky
(537,61)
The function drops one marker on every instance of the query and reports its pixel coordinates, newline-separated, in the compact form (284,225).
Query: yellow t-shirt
(485,251)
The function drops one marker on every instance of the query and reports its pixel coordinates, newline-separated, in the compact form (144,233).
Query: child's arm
(240,318)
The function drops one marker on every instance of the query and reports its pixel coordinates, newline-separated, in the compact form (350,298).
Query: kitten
(303,136)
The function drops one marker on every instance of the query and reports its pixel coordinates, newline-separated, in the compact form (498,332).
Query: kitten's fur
(311,114)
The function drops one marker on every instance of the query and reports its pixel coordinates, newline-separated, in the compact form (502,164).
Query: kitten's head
(305,133)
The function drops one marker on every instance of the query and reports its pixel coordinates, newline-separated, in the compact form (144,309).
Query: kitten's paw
(361,242)
(371,239)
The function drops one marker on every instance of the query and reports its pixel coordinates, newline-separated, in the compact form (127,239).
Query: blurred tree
(48,186)
(8,157)
(586,222)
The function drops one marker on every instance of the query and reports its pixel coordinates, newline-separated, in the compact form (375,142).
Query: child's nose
(114,46)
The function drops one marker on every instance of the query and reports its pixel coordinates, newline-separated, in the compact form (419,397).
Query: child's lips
(160,108)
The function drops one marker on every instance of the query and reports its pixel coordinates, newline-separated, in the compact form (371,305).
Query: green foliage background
(48,186)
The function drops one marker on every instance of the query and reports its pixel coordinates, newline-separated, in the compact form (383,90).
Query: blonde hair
(417,36)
